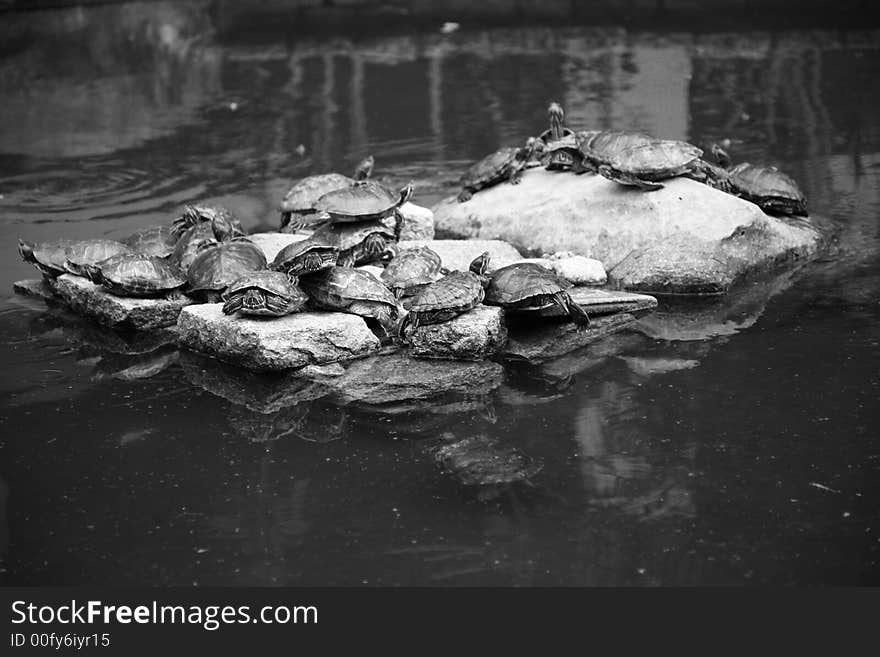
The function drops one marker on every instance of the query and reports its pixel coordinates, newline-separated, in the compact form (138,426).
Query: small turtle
(557,129)
(530,287)
(49,257)
(597,147)
(305,257)
(137,275)
(560,145)
(645,165)
(504,164)
(769,188)
(358,243)
(264,293)
(217,266)
(156,241)
(193,240)
(452,295)
(365,201)
(298,204)
(81,256)
(354,291)
(225,224)
(410,270)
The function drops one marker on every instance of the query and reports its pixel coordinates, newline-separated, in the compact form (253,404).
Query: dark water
(732,443)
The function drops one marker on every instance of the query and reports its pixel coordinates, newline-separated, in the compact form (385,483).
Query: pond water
(732,443)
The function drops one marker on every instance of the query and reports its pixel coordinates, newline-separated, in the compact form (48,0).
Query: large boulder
(281,343)
(595,217)
(417,223)
(94,301)
(458,254)
(476,334)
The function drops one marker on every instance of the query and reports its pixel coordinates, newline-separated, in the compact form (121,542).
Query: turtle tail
(578,315)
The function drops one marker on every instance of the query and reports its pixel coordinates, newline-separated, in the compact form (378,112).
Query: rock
(280,343)
(393,378)
(537,341)
(418,222)
(272,243)
(590,215)
(578,269)
(458,254)
(135,367)
(476,334)
(34,287)
(94,301)
(480,461)
(606,302)
(649,366)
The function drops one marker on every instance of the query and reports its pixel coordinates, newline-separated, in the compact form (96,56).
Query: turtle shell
(194,239)
(349,235)
(768,187)
(264,293)
(217,266)
(360,202)
(491,168)
(305,193)
(82,255)
(599,147)
(225,224)
(411,269)
(49,257)
(139,275)
(457,292)
(336,288)
(155,241)
(660,158)
(524,284)
(305,256)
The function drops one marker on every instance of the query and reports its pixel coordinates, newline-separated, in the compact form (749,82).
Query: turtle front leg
(233,304)
(578,315)
(515,177)
(626,179)
(346,259)
(465,195)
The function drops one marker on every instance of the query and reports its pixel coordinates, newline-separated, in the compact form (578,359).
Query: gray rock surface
(273,344)
(474,335)
(536,342)
(94,301)
(595,217)
(271,243)
(34,287)
(418,222)
(458,254)
(578,269)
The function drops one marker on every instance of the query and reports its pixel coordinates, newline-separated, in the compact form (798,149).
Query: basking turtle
(305,257)
(452,295)
(353,291)
(264,293)
(298,204)
(560,145)
(358,243)
(645,165)
(769,188)
(530,287)
(156,241)
(216,267)
(598,147)
(137,275)
(557,129)
(82,255)
(193,240)
(504,164)
(365,201)
(410,270)
(49,257)
(225,224)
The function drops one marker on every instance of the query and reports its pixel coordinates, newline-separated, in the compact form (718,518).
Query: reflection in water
(665,449)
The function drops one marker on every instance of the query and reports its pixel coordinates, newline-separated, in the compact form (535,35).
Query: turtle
(504,164)
(354,291)
(530,287)
(773,191)
(358,243)
(82,255)
(305,257)
(49,258)
(454,294)
(597,147)
(156,241)
(557,129)
(225,224)
(191,242)
(137,275)
(364,201)
(264,293)
(645,165)
(298,204)
(560,146)
(410,270)
(217,266)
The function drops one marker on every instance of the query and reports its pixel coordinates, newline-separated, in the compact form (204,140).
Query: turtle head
(720,155)
(26,250)
(557,118)
(93,273)
(406,192)
(480,264)
(364,169)
(532,149)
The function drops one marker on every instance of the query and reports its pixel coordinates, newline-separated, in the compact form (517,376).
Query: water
(718,444)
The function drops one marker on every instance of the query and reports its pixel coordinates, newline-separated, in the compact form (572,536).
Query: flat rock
(271,243)
(592,216)
(538,341)
(474,335)
(458,254)
(418,222)
(94,301)
(578,269)
(35,287)
(274,344)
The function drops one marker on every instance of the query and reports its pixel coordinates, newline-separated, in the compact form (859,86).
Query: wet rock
(94,301)
(649,366)
(474,335)
(390,379)
(458,254)
(271,243)
(588,214)
(578,269)
(534,341)
(274,344)
(417,224)
(480,461)
(34,287)
(134,367)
